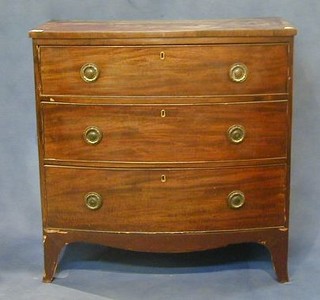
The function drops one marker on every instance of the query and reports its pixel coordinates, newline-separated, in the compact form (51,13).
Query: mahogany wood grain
(164,28)
(186,70)
(189,200)
(187,132)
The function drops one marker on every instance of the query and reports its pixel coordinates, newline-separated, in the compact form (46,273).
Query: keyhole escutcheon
(162,55)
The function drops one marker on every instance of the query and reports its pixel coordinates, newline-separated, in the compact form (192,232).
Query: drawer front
(165,133)
(165,200)
(165,70)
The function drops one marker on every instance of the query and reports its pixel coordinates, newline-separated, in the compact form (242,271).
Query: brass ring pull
(92,135)
(89,72)
(236,134)
(93,200)
(238,72)
(236,199)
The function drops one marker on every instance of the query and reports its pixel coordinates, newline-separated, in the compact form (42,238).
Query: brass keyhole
(163,113)
(163,178)
(162,55)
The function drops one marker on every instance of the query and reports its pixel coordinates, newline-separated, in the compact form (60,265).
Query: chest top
(163,29)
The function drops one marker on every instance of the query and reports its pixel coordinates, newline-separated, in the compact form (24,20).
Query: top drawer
(164,70)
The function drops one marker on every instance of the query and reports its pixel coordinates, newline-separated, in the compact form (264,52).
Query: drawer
(163,70)
(165,200)
(172,133)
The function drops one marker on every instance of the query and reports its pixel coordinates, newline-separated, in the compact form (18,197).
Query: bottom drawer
(168,200)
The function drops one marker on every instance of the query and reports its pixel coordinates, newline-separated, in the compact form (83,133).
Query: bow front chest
(164,136)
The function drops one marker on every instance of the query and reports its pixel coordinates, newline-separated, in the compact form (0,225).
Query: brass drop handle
(238,72)
(92,135)
(89,72)
(93,200)
(236,134)
(236,199)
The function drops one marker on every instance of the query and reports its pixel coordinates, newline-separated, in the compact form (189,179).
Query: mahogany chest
(164,136)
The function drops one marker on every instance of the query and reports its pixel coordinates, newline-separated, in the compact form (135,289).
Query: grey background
(94,272)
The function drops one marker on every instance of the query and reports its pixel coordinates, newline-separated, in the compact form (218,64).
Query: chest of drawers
(164,136)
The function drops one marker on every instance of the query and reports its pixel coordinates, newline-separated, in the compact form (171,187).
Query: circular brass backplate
(93,200)
(238,72)
(236,199)
(236,133)
(89,72)
(92,135)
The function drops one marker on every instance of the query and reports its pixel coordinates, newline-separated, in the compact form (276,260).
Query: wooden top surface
(164,28)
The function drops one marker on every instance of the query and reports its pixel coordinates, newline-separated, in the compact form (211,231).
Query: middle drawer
(169,133)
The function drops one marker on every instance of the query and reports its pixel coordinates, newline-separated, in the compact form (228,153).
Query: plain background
(93,272)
